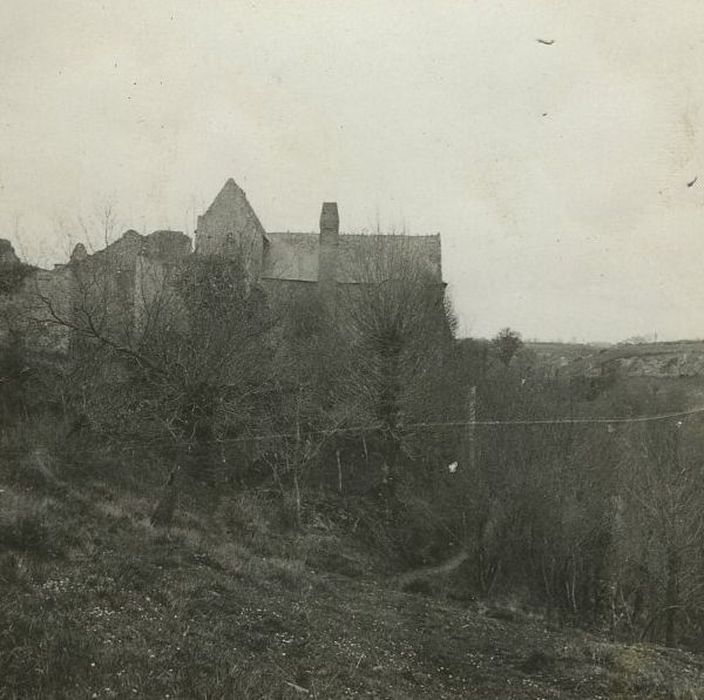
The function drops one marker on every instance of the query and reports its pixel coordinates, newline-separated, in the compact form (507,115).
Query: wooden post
(471,428)
(339,471)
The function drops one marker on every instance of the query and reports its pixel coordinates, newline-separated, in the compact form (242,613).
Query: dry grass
(98,602)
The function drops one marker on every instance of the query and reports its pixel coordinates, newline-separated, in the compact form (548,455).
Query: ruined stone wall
(27,312)
(110,290)
(104,290)
(48,295)
(8,257)
(155,266)
(12,279)
(117,285)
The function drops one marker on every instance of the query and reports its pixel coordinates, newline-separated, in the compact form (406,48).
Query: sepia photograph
(351,349)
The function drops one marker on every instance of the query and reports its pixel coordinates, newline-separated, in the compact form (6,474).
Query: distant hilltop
(666,359)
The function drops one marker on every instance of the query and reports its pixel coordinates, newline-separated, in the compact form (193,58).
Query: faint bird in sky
(691,182)
(546,42)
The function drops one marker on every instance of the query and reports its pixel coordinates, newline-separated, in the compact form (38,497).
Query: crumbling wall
(27,295)
(48,296)
(8,257)
(161,253)
(109,290)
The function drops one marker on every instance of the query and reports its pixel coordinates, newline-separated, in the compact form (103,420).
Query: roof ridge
(391,235)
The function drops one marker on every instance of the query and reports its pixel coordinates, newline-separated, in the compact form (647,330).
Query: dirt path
(426,572)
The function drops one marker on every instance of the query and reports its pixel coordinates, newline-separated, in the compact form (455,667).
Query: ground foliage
(202,507)
(227,603)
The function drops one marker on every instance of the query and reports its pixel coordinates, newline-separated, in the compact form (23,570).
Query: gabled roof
(363,257)
(295,256)
(230,209)
(230,193)
(291,256)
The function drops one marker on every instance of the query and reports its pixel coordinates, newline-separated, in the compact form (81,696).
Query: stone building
(117,284)
(327,257)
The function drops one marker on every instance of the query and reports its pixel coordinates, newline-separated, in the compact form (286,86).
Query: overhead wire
(359,429)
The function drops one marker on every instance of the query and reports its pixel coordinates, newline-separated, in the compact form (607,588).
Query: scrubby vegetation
(230,601)
(252,496)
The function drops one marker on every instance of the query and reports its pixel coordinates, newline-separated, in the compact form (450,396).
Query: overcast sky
(557,175)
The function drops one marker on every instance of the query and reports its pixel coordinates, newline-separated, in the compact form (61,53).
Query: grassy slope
(98,603)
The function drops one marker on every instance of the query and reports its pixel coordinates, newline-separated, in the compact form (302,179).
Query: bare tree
(506,344)
(178,350)
(399,328)
(663,509)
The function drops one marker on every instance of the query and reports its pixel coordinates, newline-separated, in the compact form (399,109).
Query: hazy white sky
(557,175)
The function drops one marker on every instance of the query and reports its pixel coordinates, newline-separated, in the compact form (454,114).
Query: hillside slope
(97,603)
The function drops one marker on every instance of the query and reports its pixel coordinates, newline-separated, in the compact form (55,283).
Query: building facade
(326,257)
(117,285)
